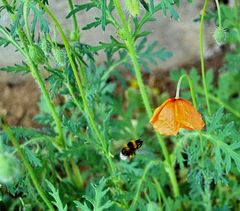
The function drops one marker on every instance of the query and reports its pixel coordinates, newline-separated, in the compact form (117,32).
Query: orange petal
(159,109)
(188,116)
(164,119)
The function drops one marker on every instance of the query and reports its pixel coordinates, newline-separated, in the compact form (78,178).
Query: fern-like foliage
(55,194)
(98,201)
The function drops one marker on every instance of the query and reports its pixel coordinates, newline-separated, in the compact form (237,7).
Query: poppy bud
(220,35)
(73,36)
(37,54)
(132,7)
(59,56)
(46,46)
(9,168)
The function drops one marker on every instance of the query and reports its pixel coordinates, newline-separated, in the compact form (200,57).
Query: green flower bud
(73,36)
(59,56)
(37,54)
(220,35)
(46,46)
(9,168)
(132,7)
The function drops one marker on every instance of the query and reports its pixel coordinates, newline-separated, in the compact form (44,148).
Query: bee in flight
(128,151)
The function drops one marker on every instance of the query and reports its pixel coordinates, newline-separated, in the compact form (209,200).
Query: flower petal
(159,109)
(188,116)
(164,120)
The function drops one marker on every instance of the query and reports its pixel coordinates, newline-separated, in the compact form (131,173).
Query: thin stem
(236,5)
(133,55)
(202,57)
(219,14)
(113,66)
(160,191)
(74,20)
(27,165)
(194,104)
(82,72)
(79,85)
(190,86)
(221,103)
(10,39)
(37,77)
(73,96)
(140,182)
(25,16)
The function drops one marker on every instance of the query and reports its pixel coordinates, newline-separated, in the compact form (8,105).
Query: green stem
(133,55)
(137,193)
(25,15)
(190,86)
(73,96)
(219,14)
(82,72)
(74,20)
(27,166)
(202,57)
(79,85)
(194,104)
(37,77)
(113,66)
(236,5)
(221,103)
(160,192)
(10,39)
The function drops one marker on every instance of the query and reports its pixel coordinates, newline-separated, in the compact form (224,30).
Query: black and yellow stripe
(130,148)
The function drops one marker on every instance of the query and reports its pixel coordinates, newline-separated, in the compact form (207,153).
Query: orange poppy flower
(175,114)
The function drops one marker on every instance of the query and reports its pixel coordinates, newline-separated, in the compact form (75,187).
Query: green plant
(72,161)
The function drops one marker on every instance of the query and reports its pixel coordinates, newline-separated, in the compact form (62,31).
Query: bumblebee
(128,151)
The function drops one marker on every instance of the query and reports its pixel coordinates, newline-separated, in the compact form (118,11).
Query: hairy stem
(140,182)
(202,56)
(237,7)
(74,20)
(219,14)
(25,15)
(221,103)
(37,77)
(160,192)
(133,55)
(89,115)
(27,165)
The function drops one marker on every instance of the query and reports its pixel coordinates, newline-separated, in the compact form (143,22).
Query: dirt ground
(19,101)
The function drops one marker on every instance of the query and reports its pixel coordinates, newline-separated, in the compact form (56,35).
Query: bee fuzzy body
(128,151)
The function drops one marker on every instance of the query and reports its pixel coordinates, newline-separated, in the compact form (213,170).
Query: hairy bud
(220,35)
(59,56)
(46,46)
(37,54)
(9,168)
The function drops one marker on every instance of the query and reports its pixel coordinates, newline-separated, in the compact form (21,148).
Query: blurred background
(19,94)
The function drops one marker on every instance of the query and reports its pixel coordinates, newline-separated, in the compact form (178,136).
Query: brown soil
(19,101)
